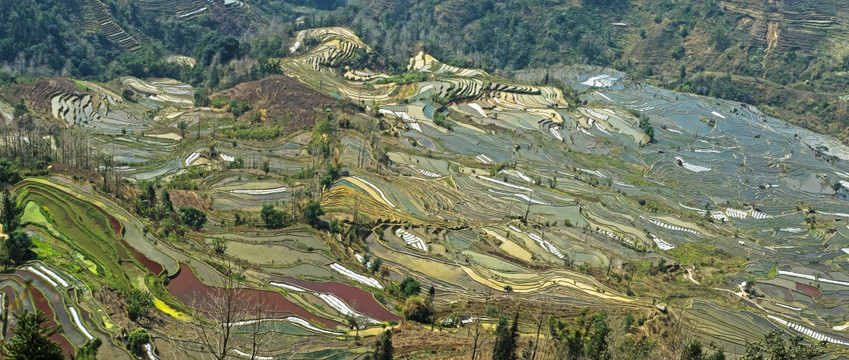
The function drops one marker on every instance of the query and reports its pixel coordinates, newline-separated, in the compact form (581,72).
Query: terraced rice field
(365,280)
(98,235)
(189,289)
(662,245)
(183,10)
(358,299)
(98,17)
(542,243)
(411,239)
(38,296)
(525,192)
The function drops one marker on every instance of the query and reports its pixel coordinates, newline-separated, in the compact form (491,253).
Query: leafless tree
(540,319)
(478,333)
(229,320)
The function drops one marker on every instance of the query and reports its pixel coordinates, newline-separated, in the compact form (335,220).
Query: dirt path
(689,276)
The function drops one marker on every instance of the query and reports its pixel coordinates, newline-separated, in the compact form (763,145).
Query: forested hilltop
(103,39)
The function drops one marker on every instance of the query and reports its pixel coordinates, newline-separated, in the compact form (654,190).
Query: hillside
(425,179)
(284,99)
(787,47)
(303,215)
(788,57)
(102,39)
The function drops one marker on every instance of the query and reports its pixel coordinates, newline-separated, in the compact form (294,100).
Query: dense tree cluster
(43,38)
(273,218)
(173,223)
(17,247)
(192,217)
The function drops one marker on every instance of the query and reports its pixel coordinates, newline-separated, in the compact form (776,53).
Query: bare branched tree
(477,332)
(229,320)
(540,320)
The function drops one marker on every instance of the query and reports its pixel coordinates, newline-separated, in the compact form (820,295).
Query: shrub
(237,108)
(329,176)
(219,102)
(138,303)
(136,341)
(255,117)
(219,245)
(415,309)
(89,350)
(193,217)
(439,120)
(312,213)
(273,218)
(129,95)
(237,163)
(410,286)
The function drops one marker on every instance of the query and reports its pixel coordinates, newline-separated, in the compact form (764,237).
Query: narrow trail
(689,276)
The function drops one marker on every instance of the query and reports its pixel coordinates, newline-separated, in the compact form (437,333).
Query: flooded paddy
(189,289)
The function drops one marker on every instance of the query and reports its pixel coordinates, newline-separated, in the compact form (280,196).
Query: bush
(439,120)
(136,341)
(415,309)
(245,132)
(237,163)
(129,95)
(329,176)
(185,181)
(89,350)
(193,217)
(312,213)
(138,303)
(220,244)
(273,218)
(645,126)
(237,108)
(255,117)
(410,287)
(219,102)
(9,173)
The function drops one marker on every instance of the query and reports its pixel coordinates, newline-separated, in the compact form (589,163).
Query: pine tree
(32,339)
(167,205)
(10,212)
(431,309)
(505,340)
(383,347)
(151,196)
(16,249)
